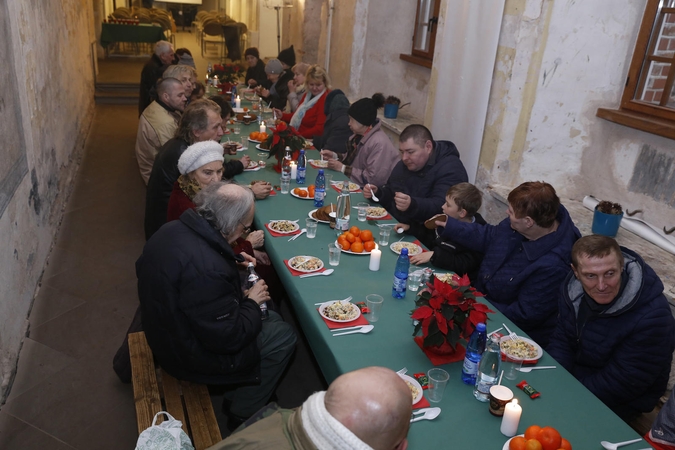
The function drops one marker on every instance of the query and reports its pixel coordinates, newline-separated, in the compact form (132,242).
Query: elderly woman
(277,94)
(370,156)
(201,325)
(296,86)
(255,74)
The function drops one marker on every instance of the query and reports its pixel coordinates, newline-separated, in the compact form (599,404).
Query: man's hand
(261,189)
(328,155)
(252,83)
(277,113)
(402,201)
(256,238)
(258,292)
(422,258)
(335,165)
(245,160)
(247,259)
(263,92)
(368,190)
(404,226)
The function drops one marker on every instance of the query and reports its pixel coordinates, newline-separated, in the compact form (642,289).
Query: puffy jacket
(314,119)
(450,254)
(156,126)
(375,158)
(198,323)
(622,354)
(280,97)
(519,277)
(257,73)
(152,71)
(336,132)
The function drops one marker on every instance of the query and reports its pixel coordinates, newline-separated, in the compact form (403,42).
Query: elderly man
(152,71)
(200,122)
(158,123)
(185,74)
(201,326)
(526,256)
(366,409)
(417,185)
(615,331)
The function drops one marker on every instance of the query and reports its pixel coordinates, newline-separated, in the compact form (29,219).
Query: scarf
(296,120)
(188,186)
(324,430)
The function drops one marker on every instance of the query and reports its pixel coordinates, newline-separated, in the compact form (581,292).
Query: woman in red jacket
(310,117)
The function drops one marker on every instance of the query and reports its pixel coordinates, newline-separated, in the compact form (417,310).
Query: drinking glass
(512,365)
(414,279)
(237,128)
(384,235)
(374,304)
(311,225)
(334,254)
(438,379)
(362,209)
(285,186)
(244,142)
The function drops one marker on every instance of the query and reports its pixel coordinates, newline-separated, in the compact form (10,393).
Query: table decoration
(228,73)
(375,257)
(284,136)
(511,419)
(447,315)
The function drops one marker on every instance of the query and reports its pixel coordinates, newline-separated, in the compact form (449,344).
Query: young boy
(462,203)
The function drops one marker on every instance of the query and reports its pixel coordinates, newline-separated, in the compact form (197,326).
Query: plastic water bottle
(252,279)
(401,274)
(343,210)
(474,350)
(488,370)
(319,189)
(302,168)
(209,70)
(234,96)
(286,165)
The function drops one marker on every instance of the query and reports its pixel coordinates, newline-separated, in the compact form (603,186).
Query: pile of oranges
(357,241)
(258,136)
(305,193)
(538,438)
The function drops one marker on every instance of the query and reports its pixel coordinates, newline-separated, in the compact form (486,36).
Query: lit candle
(375,255)
(294,170)
(237,102)
(511,418)
(262,127)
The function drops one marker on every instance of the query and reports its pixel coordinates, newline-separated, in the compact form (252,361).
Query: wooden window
(648,101)
(424,36)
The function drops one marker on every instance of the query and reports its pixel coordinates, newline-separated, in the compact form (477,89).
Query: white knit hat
(198,155)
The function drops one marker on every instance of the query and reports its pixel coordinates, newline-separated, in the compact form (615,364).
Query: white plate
(312,217)
(540,352)
(351,252)
(260,148)
(295,228)
(353,306)
(251,140)
(397,248)
(251,166)
(377,217)
(506,444)
(339,184)
(290,263)
(415,383)
(436,274)
(322,165)
(301,198)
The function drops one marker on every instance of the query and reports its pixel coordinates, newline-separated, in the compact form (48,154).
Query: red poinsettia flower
(281,126)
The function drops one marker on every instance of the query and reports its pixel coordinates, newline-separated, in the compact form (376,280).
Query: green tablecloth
(465,422)
(113,32)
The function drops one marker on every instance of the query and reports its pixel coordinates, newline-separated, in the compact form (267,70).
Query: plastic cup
(311,225)
(384,236)
(329,179)
(362,209)
(499,397)
(438,379)
(512,365)
(237,128)
(414,279)
(374,304)
(244,142)
(285,186)
(334,254)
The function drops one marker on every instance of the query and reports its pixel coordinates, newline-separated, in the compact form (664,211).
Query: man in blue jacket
(615,331)
(418,183)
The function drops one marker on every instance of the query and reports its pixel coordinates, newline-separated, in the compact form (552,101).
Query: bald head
(172,93)
(373,403)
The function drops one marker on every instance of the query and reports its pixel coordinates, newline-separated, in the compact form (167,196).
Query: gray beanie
(198,155)
(273,67)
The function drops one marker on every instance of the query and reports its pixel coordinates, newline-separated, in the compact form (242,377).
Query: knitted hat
(198,155)
(273,67)
(187,60)
(253,52)
(287,56)
(363,111)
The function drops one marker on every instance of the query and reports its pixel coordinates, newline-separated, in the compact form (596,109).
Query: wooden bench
(155,390)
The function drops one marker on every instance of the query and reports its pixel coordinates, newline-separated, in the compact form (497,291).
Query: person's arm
(473,236)
(421,208)
(293,100)
(460,260)
(232,168)
(147,144)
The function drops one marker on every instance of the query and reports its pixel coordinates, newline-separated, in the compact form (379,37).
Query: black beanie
(287,56)
(253,52)
(363,111)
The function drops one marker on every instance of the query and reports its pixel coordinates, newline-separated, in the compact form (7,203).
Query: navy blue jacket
(449,254)
(623,354)
(198,324)
(519,277)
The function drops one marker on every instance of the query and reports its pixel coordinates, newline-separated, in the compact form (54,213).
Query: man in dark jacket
(336,131)
(416,187)
(615,332)
(152,71)
(200,325)
(526,256)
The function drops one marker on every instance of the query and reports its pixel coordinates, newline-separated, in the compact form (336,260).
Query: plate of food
(522,347)
(506,445)
(339,311)
(415,388)
(305,264)
(353,187)
(376,212)
(449,278)
(302,193)
(252,165)
(240,117)
(364,252)
(318,163)
(413,249)
(284,226)
(321,214)
(261,148)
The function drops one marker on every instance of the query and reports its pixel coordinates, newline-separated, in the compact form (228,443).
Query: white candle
(375,255)
(237,102)
(262,127)
(294,170)
(511,418)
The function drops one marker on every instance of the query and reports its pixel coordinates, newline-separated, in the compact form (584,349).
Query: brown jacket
(155,126)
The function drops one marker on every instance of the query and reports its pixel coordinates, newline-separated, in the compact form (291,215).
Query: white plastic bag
(168,435)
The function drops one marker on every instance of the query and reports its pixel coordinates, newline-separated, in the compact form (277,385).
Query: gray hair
(224,205)
(162,47)
(166,84)
(176,70)
(195,117)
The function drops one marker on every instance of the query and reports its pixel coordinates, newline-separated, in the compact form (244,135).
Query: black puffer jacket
(336,132)
(198,323)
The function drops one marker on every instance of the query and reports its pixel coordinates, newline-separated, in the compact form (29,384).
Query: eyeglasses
(247,229)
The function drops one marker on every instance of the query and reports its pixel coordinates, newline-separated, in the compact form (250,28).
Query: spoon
(364,329)
(612,446)
(348,299)
(303,231)
(530,369)
(325,272)
(372,194)
(429,414)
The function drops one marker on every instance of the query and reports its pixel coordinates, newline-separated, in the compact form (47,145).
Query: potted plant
(283,136)
(391,105)
(228,74)
(447,314)
(607,218)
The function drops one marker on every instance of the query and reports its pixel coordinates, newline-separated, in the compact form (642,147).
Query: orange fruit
(262,136)
(533,444)
(344,243)
(302,193)
(517,443)
(369,245)
(310,190)
(366,235)
(358,239)
(565,444)
(532,432)
(355,230)
(357,247)
(350,237)
(550,438)
(252,135)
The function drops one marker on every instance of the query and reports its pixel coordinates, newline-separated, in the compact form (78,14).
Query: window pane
(665,39)
(655,83)
(426,8)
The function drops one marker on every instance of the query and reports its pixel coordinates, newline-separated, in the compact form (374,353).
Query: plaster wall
(47,85)
(341,43)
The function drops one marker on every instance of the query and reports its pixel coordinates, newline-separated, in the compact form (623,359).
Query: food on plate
(519,348)
(369,246)
(366,235)
(413,249)
(357,247)
(306,263)
(413,389)
(258,136)
(300,192)
(322,213)
(517,443)
(283,226)
(357,241)
(448,278)
(352,186)
(319,163)
(431,223)
(344,243)
(355,230)
(311,189)
(376,211)
(341,311)
(541,438)
(240,118)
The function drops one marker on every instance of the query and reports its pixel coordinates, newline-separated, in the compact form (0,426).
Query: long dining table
(464,421)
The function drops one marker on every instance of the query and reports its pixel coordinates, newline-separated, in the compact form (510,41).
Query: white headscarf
(299,114)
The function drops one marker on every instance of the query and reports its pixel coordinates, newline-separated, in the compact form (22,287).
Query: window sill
(639,121)
(416,60)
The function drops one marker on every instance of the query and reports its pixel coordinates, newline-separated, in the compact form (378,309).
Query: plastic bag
(168,435)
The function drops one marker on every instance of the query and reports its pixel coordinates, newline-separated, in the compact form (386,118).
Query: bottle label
(484,383)
(469,367)
(399,284)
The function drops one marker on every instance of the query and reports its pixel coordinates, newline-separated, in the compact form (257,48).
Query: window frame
(420,57)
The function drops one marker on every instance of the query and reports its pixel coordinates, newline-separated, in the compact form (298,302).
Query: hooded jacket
(622,354)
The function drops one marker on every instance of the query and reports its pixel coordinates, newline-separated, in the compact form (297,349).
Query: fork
(402,371)
(348,299)
(512,335)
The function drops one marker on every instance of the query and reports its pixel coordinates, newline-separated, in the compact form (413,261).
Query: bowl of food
(521,347)
(340,311)
(413,249)
(284,226)
(305,264)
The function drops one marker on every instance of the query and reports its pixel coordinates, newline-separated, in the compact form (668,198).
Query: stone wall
(46,106)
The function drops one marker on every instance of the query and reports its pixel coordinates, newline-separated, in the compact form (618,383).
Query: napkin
(437,359)
(337,325)
(420,244)
(423,403)
(296,273)
(277,234)
(254,169)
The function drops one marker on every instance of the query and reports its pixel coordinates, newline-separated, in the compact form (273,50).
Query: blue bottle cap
(480,327)
(321,173)
(404,251)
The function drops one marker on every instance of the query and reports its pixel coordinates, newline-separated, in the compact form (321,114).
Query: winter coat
(375,158)
(257,73)
(336,132)
(314,119)
(622,354)
(280,97)
(198,324)
(156,126)
(450,254)
(152,71)
(521,278)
